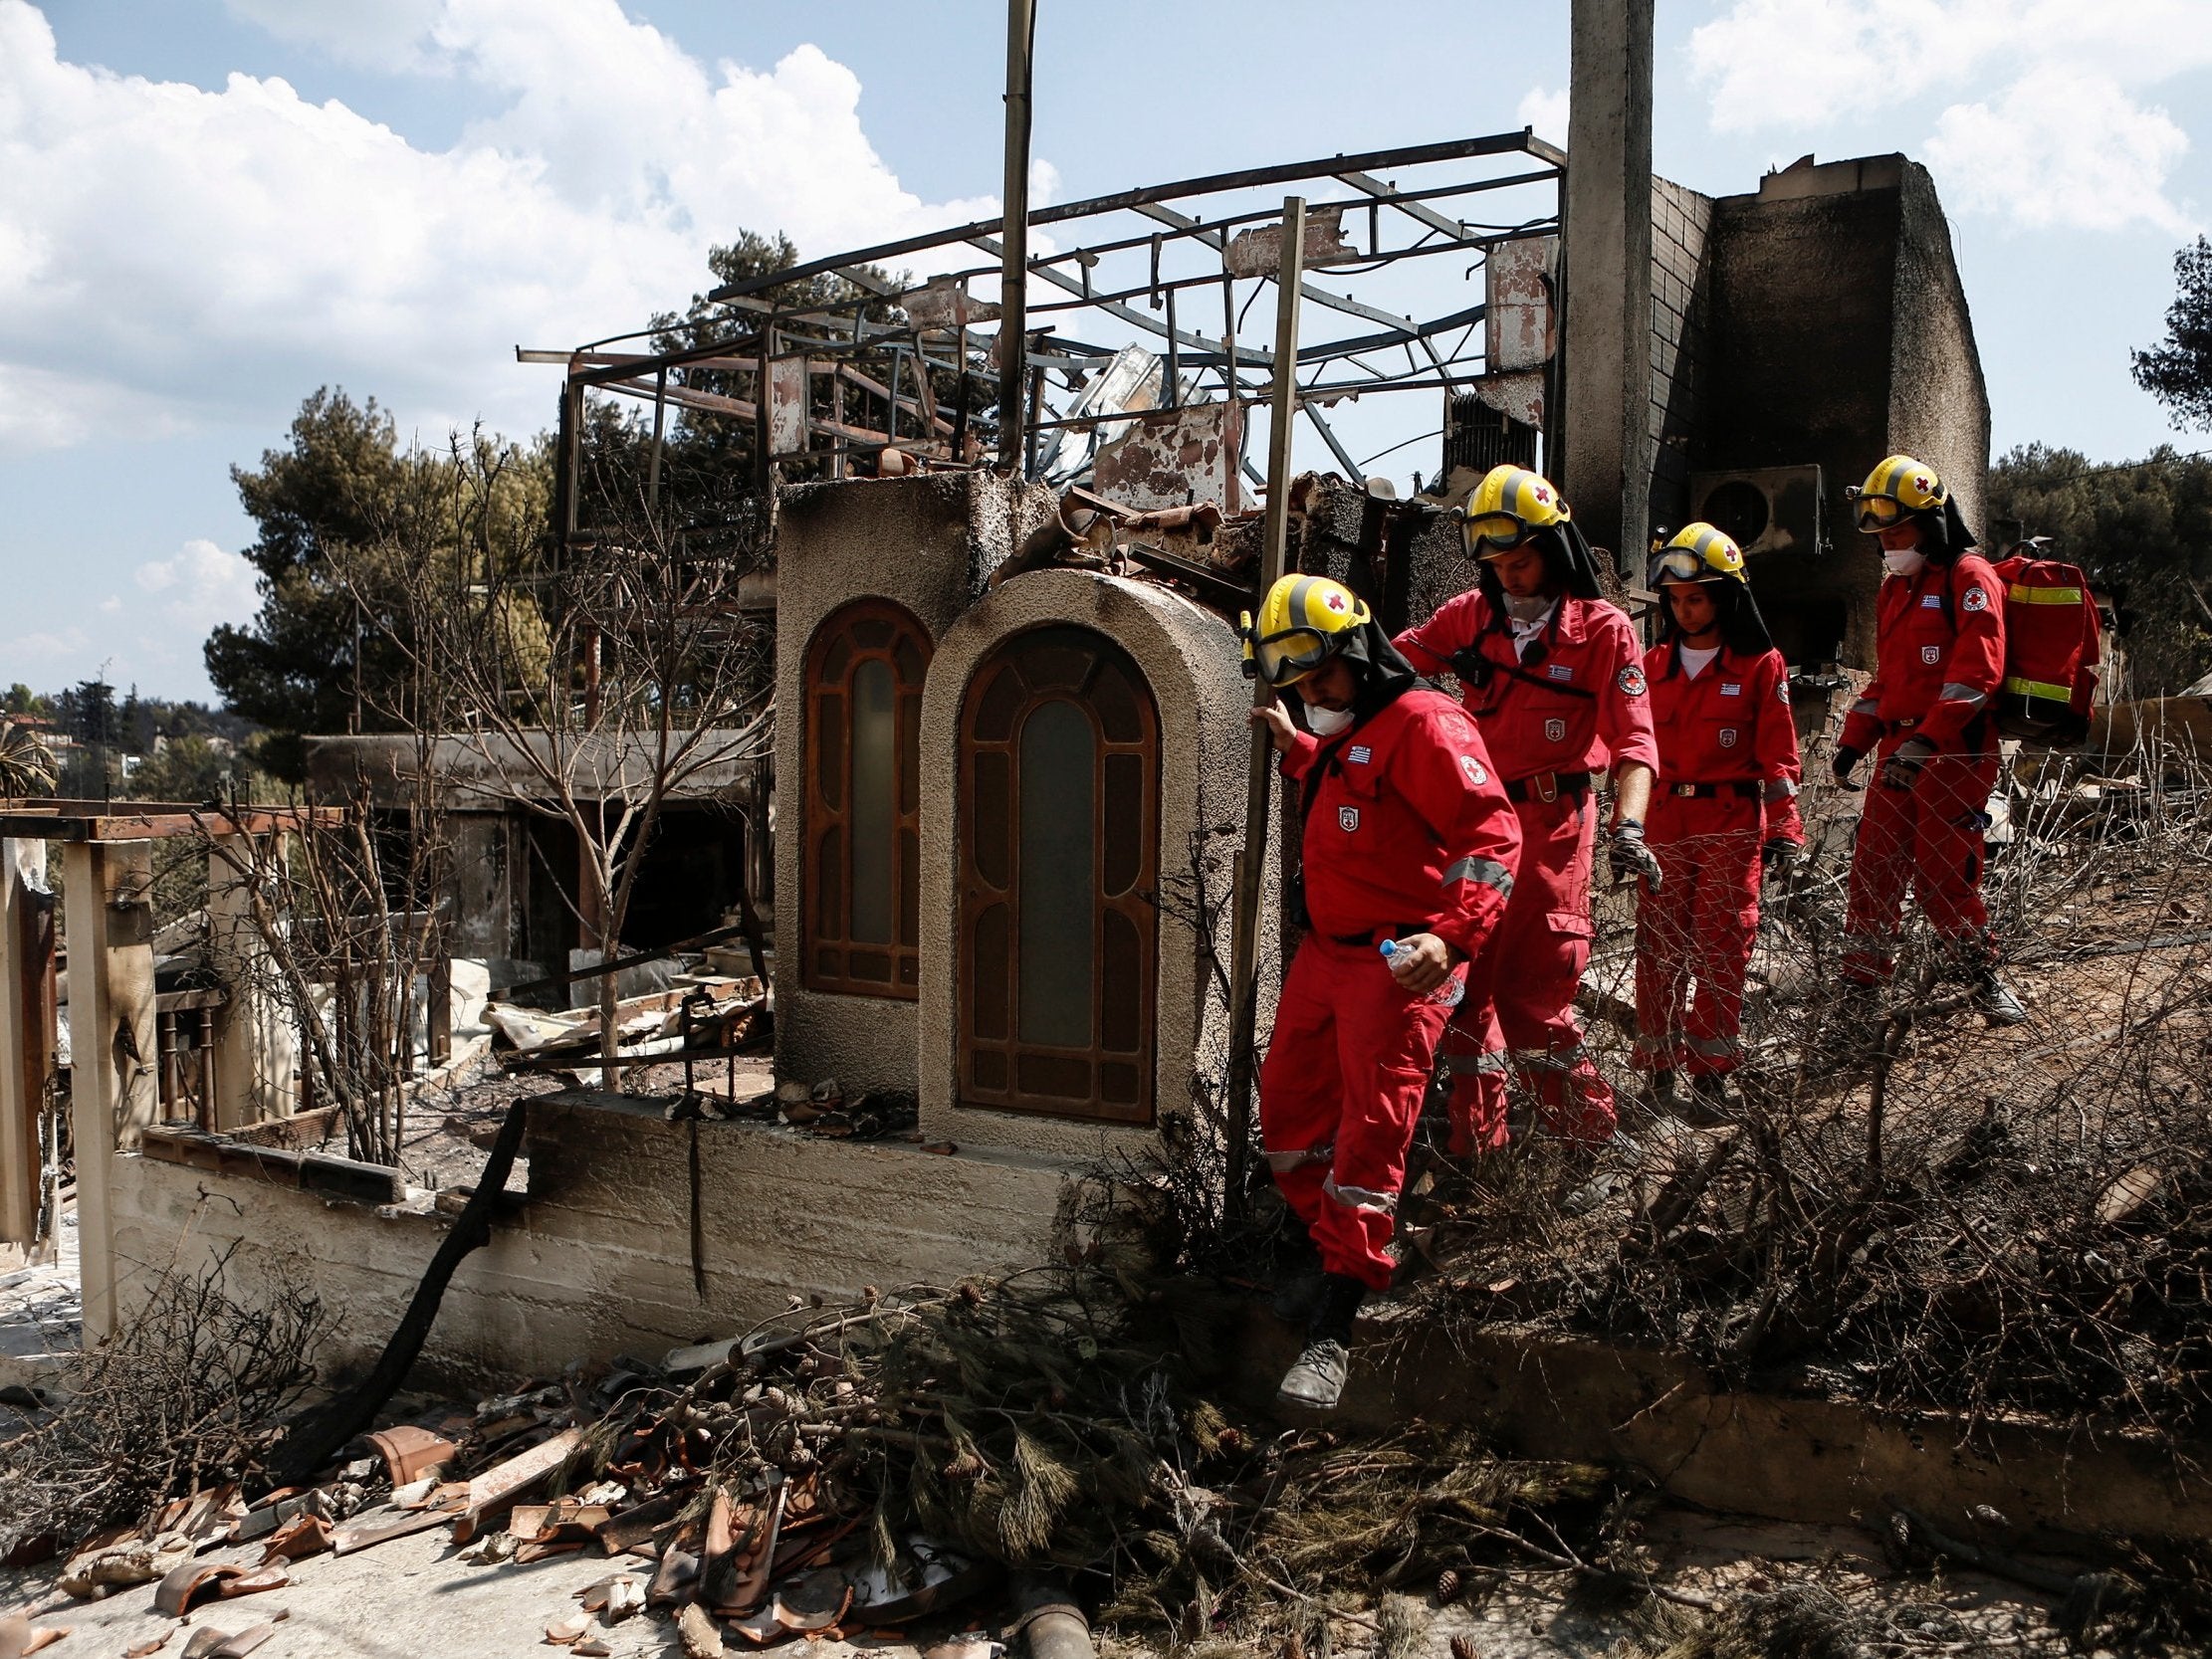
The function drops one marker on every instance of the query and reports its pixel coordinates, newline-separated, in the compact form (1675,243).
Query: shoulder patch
(1974,599)
(1631,681)
(1782,689)
(1473,769)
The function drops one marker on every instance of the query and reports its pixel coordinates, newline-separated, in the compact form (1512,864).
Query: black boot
(1316,1382)
(1714,1101)
(1999,1005)
(1297,1276)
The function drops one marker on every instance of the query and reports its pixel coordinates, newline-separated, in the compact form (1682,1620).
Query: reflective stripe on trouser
(1347,1067)
(1928,839)
(1521,990)
(1694,936)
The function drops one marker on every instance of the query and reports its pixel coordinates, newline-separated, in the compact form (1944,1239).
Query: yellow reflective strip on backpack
(2019,595)
(2038,688)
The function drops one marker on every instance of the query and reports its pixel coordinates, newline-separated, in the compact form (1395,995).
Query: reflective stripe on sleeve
(1488,871)
(1778,789)
(1866,705)
(1954,692)
(1366,1199)
(1282,1163)
(1459,1064)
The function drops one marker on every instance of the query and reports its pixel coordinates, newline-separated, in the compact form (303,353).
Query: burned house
(995,844)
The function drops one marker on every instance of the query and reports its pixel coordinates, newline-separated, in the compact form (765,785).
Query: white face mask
(1902,561)
(1327,723)
(1531,609)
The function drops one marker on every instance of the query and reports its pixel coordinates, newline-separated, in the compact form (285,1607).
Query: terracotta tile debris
(410,1452)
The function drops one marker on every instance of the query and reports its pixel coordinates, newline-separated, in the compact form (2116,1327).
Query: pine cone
(1447,1587)
(1463,1647)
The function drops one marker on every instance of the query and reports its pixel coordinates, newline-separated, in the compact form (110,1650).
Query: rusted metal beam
(1252,858)
(1456,150)
(1319,295)
(1013,285)
(119,821)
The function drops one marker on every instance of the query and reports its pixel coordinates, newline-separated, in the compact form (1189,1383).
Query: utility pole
(1013,307)
(1605,428)
(1251,861)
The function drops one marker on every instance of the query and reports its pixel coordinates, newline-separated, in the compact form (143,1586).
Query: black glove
(1776,857)
(1903,769)
(1846,758)
(1631,857)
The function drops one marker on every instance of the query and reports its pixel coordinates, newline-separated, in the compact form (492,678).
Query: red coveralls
(1727,785)
(1939,657)
(1407,831)
(1581,708)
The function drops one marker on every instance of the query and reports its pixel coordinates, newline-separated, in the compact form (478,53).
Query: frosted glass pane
(1058,882)
(875,740)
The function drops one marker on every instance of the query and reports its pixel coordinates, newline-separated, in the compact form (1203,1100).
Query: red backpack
(2051,646)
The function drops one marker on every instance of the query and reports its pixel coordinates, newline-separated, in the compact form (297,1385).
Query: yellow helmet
(1900,485)
(1511,505)
(1697,553)
(1304,622)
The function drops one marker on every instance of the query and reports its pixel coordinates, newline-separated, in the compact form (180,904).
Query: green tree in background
(2142,531)
(333,509)
(2179,372)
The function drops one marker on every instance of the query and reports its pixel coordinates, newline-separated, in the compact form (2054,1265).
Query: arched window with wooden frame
(861,879)
(1059,827)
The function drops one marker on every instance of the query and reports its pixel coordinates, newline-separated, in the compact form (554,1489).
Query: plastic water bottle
(1389,948)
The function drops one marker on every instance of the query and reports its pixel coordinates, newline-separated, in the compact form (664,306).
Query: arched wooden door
(1059,814)
(861,876)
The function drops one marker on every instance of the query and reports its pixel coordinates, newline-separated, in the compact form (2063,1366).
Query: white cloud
(171,254)
(1545,112)
(2102,170)
(380,34)
(45,646)
(2029,106)
(111,605)
(199,586)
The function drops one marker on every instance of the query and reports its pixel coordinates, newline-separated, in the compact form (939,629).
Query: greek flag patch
(1359,755)
(1559,671)
(1932,601)
(1732,689)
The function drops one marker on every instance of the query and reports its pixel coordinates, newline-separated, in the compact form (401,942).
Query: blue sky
(216,206)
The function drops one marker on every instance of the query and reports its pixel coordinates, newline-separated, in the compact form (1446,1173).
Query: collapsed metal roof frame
(786,347)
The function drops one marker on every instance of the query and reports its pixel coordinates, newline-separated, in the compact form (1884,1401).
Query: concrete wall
(1681,222)
(1938,403)
(929,544)
(599,1262)
(1838,335)
(1190,658)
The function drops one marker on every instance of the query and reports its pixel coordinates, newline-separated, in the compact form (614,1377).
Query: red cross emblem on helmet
(1336,601)
(1542,494)
(1920,483)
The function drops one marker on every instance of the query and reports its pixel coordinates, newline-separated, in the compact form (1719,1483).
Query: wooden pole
(1251,861)
(1013,307)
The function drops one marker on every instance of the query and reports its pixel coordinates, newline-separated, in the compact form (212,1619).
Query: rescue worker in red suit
(1408,854)
(1940,658)
(1553,677)
(1723,817)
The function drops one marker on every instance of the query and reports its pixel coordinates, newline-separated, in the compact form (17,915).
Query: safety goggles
(1877,513)
(1494,533)
(1681,564)
(1284,658)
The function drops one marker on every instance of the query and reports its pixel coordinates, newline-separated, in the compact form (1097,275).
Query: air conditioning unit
(1768,510)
